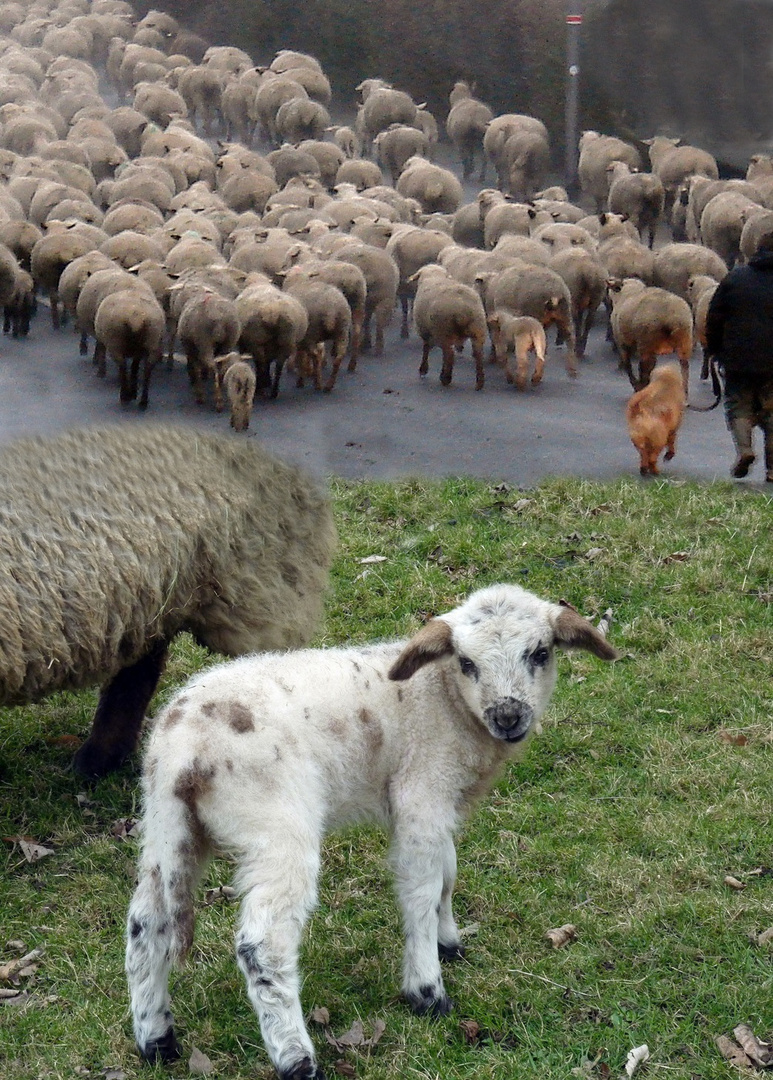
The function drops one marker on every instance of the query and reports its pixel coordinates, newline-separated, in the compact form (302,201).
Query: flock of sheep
(157,221)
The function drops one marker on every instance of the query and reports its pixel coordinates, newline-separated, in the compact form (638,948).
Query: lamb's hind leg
(278,880)
(120,713)
(448,940)
(160,923)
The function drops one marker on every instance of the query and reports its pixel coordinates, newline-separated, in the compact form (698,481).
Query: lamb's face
(505,670)
(500,646)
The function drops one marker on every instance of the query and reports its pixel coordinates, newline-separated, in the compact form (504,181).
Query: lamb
(236,375)
(639,196)
(266,754)
(141,533)
(597,152)
(466,125)
(519,335)
(446,314)
(650,322)
(435,188)
(129,325)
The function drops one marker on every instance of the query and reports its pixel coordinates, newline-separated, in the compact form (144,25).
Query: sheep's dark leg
(119,715)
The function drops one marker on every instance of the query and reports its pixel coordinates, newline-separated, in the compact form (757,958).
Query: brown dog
(654,415)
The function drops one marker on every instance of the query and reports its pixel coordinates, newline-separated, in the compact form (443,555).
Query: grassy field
(649,785)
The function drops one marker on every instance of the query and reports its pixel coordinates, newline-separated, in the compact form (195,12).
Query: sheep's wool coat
(112,540)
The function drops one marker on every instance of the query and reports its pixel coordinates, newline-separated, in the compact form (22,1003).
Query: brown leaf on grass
(733,738)
(379,1027)
(676,556)
(30,849)
(470,1031)
(761,1053)
(733,882)
(320,1016)
(199,1063)
(733,1053)
(67,742)
(354,1038)
(344,1068)
(765,937)
(125,828)
(562,935)
(13,969)
(222,892)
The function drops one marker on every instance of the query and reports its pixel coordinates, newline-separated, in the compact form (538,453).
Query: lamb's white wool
(263,756)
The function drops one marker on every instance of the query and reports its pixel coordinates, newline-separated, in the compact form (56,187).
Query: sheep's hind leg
(119,715)
(448,940)
(279,883)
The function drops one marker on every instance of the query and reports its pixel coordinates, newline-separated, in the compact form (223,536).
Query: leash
(716,386)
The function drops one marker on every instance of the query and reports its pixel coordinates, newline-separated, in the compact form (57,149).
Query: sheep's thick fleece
(112,540)
(263,756)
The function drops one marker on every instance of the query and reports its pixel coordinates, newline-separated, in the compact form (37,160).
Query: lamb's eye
(468,667)
(541,656)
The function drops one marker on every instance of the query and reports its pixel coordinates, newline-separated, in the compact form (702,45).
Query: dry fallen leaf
(677,556)
(344,1068)
(765,937)
(733,738)
(593,553)
(199,1063)
(13,968)
(30,849)
(562,935)
(733,1053)
(372,559)
(636,1057)
(320,1016)
(125,828)
(759,1052)
(470,1030)
(733,882)
(222,892)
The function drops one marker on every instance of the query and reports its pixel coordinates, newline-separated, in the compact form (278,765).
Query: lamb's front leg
(448,940)
(420,860)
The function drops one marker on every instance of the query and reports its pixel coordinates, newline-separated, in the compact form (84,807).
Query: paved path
(384,420)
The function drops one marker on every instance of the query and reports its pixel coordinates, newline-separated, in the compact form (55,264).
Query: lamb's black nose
(509,718)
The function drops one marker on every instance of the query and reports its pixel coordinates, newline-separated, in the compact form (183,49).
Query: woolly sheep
(700,290)
(518,336)
(649,322)
(524,161)
(722,223)
(466,125)
(347,139)
(399,142)
(382,278)
(674,264)
(201,87)
(273,323)
(236,375)
(755,229)
(142,533)
(351,281)
(266,754)
(270,96)
(208,326)
(20,306)
(53,252)
(360,172)
(129,325)
(597,152)
(411,248)
(435,188)
(586,282)
(329,320)
(328,156)
(289,162)
(383,107)
(499,131)
(639,196)
(447,314)
(674,163)
(299,119)
(98,285)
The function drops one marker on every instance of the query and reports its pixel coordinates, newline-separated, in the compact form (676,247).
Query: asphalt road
(384,421)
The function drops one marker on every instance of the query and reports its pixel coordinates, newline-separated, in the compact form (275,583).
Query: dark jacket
(739,324)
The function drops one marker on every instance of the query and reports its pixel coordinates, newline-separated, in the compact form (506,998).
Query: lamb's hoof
(305,1069)
(742,466)
(449,953)
(669,454)
(427,1003)
(166,1049)
(92,762)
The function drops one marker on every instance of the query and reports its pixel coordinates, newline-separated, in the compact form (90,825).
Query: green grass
(651,781)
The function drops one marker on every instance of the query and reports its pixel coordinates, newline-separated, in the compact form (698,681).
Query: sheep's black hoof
(449,953)
(305,1069)
(166,1049)
(93,762)
(427,1003)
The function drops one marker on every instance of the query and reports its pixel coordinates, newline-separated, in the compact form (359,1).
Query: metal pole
(573,24)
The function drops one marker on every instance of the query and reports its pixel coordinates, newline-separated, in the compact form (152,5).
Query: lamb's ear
(574,632)
(431,642)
